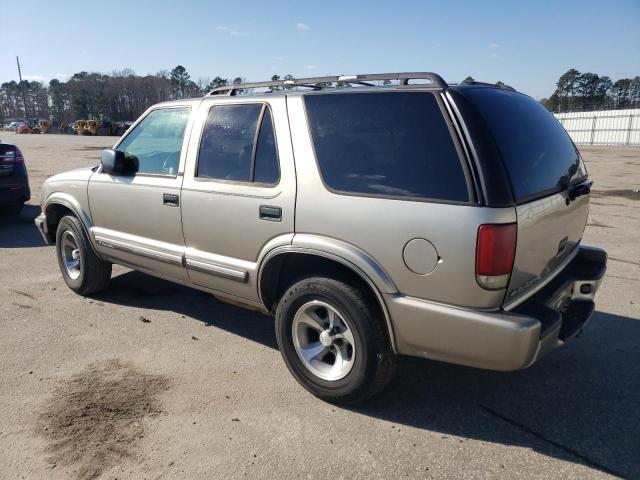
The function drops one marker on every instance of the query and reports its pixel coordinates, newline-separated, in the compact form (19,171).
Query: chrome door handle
(270,213)
(170,199)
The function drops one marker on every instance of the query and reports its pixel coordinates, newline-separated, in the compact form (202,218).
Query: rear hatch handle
(579,190)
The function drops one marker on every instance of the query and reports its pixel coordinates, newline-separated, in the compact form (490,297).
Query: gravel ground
(155,380)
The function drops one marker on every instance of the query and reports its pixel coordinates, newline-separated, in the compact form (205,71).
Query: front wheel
(81,269)
(333,341)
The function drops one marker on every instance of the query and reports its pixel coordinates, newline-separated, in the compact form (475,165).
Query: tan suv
(408,218)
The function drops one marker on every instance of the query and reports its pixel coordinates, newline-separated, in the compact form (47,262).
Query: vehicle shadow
(19,231)
(137,289)
(580,404)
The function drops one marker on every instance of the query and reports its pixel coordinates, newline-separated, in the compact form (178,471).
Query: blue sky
(526,44)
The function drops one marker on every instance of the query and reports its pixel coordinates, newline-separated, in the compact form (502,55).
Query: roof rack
(317,83)
(503,86)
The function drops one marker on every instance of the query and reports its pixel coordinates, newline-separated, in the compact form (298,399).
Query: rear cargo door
(548,180)
(549,231)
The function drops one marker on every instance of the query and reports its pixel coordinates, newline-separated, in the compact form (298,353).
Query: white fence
(606,127)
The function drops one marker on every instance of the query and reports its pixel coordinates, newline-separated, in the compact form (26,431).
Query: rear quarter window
(392,144)
(537,152)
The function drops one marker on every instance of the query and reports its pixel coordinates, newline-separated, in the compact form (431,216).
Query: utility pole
(24,98)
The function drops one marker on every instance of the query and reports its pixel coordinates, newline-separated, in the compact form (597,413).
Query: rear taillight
(18,156)
(12,157)
(495,252)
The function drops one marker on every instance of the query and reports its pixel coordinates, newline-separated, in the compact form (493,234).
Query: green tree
(552,103)
(59,106)
(274,78)
(288,77)
(587,84)
(79,95)
(566,88)
(468,81)
(217,82)
(602,92)
(620,92)
(180,79)
(635,92)
(238,81)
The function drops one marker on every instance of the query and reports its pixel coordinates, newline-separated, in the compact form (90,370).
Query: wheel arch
(57,206)
(284,265)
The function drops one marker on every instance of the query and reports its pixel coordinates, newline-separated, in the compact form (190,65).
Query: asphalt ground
(155,380)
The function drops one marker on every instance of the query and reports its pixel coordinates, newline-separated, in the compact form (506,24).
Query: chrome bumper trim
(138,250)
(218,270)
(41,225)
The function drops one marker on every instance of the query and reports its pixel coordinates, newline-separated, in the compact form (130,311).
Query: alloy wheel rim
(323,340)
(70,255)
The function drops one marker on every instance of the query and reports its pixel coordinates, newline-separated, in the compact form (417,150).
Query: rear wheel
(333,341)
(81,269)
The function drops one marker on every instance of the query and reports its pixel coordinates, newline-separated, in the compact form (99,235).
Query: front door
(238,195)
(137,218)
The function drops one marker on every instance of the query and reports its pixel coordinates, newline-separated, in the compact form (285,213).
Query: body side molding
(136,245)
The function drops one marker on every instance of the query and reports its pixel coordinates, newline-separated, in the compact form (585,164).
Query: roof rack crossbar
(317,82)
(494,85)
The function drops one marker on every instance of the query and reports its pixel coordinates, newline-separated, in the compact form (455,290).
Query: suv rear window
(538,154)
(394,144)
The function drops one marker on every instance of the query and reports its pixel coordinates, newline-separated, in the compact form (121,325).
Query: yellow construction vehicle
(78,126)
(45,126)
(100,125)
(94,127)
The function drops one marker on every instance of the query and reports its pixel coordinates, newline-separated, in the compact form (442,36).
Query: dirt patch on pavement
(94,420)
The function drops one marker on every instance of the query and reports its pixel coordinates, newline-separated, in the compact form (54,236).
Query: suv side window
(238,144)
(391,144)
(267,169)
(157,141)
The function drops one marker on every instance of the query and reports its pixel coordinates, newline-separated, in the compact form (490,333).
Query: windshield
(538,154)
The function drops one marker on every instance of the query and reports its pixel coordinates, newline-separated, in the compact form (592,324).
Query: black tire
(12,209)
(94,274)
(374,363)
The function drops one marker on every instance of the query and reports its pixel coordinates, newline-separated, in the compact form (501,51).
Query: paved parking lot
(155,380)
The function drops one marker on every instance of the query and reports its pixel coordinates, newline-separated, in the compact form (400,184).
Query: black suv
(14,181)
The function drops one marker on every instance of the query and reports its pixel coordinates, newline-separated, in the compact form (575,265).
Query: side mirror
(116,162)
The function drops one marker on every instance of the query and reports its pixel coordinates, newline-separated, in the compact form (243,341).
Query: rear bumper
(502,340)
(14,189)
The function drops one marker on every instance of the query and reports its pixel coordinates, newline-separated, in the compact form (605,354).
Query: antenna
(24,98)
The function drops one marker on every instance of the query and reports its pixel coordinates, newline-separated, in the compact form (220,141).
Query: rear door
(239,191)
(546,172)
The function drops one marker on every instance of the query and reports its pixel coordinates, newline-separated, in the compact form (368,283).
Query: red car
(24,128)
